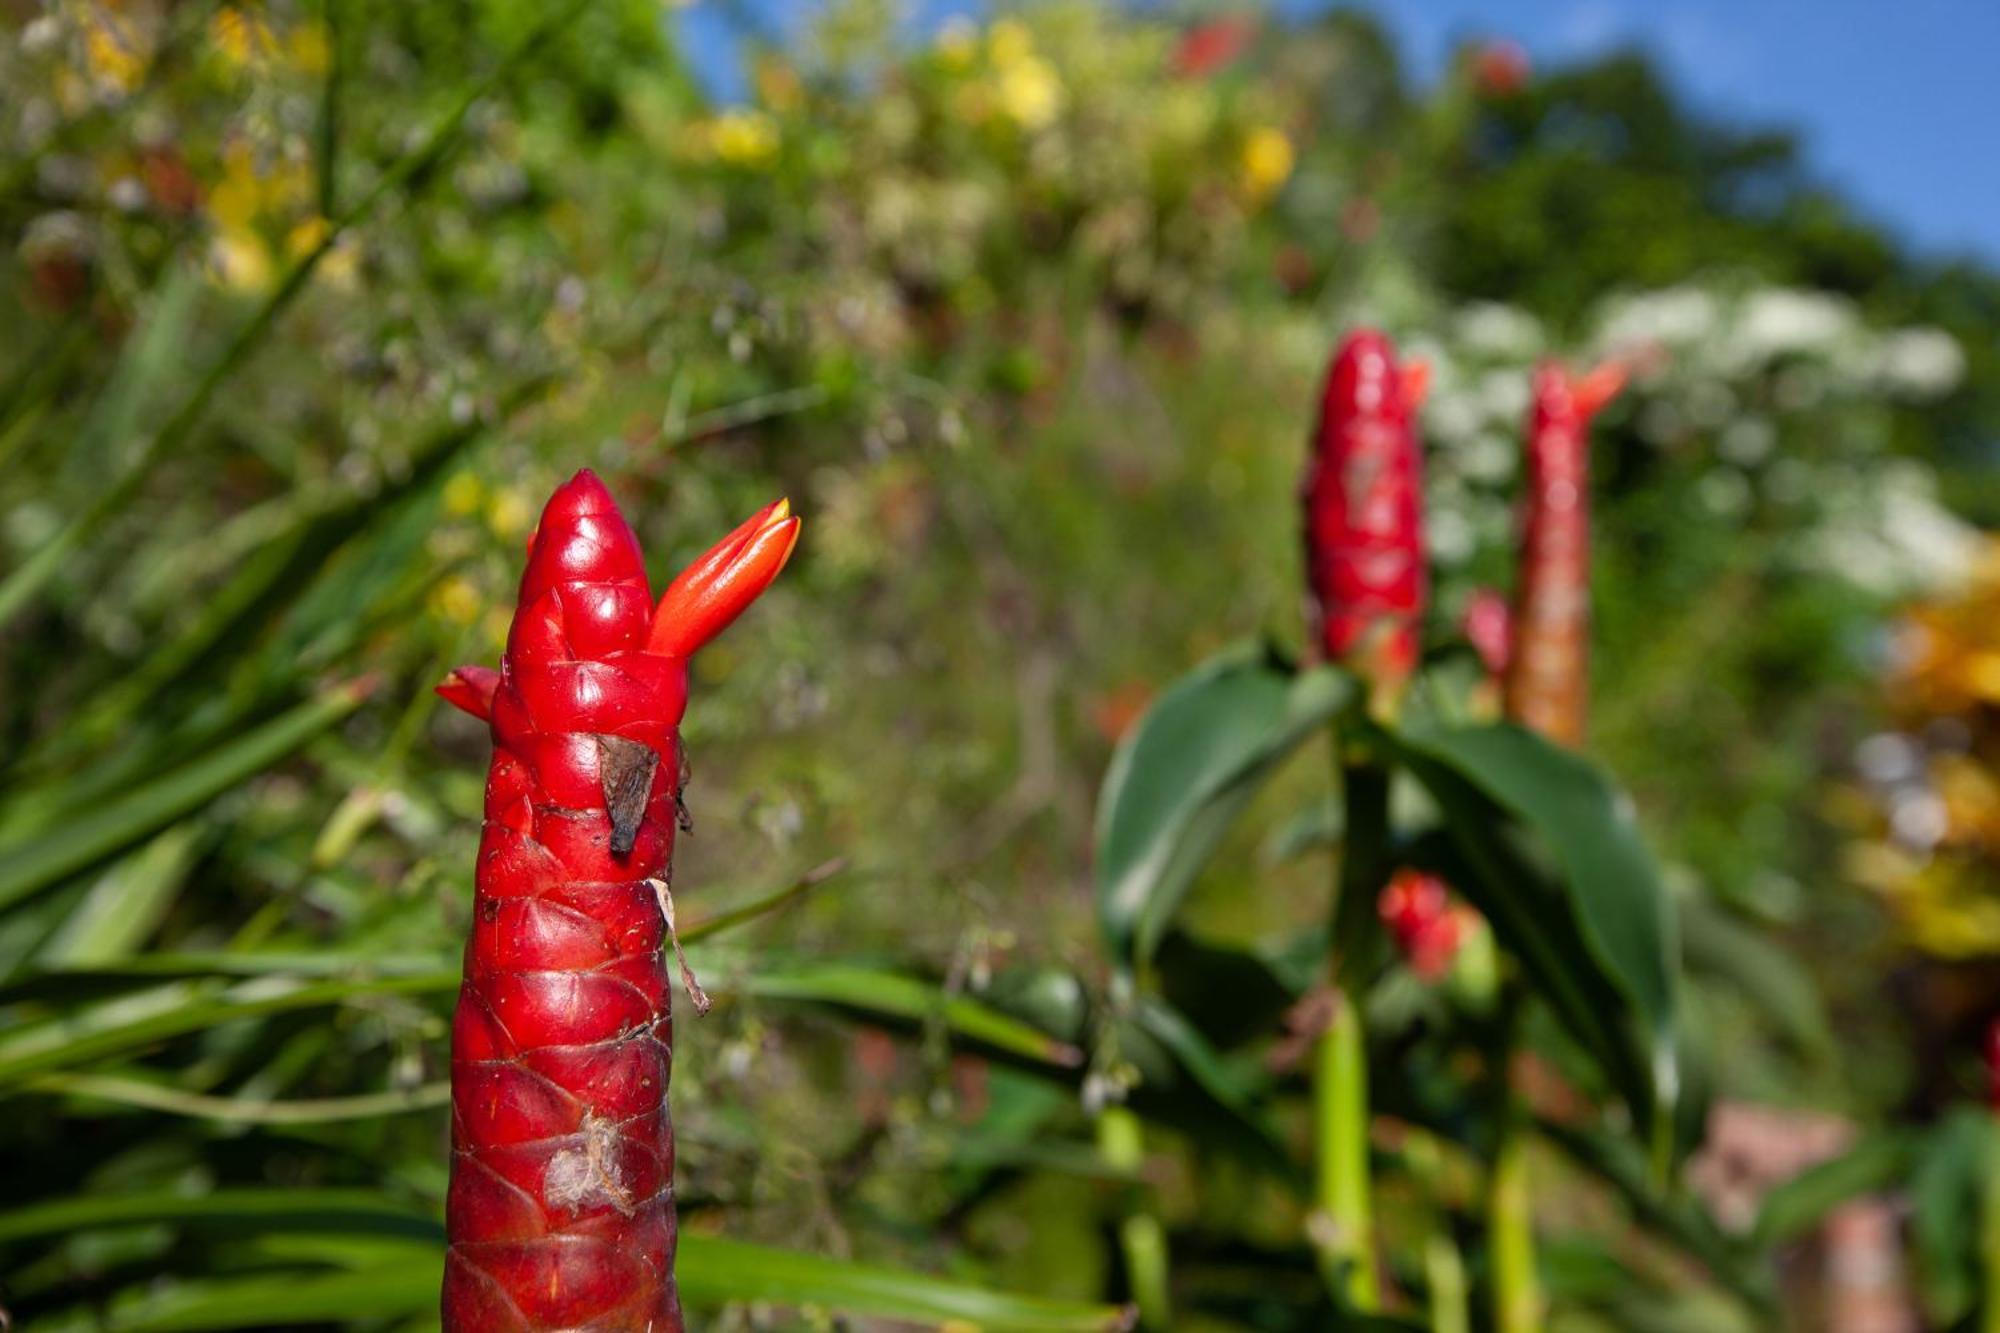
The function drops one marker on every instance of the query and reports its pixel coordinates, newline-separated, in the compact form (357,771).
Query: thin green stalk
(1445,1284)
(1444,1276)
(1346,1227)
(1344,1222)
(1141,1238)
(1989,1235)
(1510,1213)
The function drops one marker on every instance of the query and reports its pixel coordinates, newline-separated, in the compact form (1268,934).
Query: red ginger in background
(560,1213)
(1364,512)
(1427,929)
(1548,670)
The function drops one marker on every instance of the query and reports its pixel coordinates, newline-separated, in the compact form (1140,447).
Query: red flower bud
(1427,930)
(1208,48)
(1500,69)
(1363,512)
(560,1210)
(1548,679)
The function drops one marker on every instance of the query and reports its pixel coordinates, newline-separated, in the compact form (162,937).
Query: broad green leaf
(126,903)
(1879,1161)
(1606,880)
(33,863)
(1720,944)
(1953,1162)
(1183,774)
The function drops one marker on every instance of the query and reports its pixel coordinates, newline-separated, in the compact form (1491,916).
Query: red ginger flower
(560,1213)
(1364,511)
(1210,47)
(1548,674)
(1417,909)
(1499,68)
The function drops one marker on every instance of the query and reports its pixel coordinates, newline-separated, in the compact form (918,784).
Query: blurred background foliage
(314,302)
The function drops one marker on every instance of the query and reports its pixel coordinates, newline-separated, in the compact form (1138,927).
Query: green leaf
(87,838)
(1606,886)
(359,1212)
(129,1022)
(910,999)
(1946,1187)
(1719,943)
(712,1271)
(1878,1161)
(1183,774)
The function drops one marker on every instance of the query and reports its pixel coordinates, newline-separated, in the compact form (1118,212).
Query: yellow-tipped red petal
(710,593)
(471,688)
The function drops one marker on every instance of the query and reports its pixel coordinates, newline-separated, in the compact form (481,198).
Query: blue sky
(1897,100)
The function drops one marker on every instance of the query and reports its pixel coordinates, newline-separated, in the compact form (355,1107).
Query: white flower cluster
(1748,398)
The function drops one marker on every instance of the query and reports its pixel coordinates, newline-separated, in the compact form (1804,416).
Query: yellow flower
(241,34)
(463,495)
(1030,92)
(744,138)
(1009,42)
(240,260)
(958,44)
(309,49)
(457,600)
(115,51)
(1267,161)
(509,513)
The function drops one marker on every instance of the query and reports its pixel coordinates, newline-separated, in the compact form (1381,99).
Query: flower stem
(1510,1214)
(1141,1238)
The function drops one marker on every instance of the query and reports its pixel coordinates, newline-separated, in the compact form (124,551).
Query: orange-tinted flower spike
(710,593)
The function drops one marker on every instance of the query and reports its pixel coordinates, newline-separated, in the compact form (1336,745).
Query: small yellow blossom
(309,49)
(241,260)
(241,35)
(1031,93)
(744,138)
(463,495)
(1009,42)
(1267,161)
(509,513)
(115,51)
(457,600)
(958,44)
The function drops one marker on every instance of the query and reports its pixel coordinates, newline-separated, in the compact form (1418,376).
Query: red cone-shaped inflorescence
(1548,672)
(561,1208)
(1364,512)
(1427,929)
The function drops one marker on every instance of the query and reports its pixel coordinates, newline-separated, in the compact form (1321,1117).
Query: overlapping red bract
(561,1209)
(1364,512)
(1548,674)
